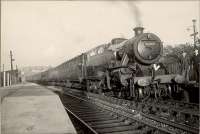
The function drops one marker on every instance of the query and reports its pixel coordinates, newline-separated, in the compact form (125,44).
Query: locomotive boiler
(122,68)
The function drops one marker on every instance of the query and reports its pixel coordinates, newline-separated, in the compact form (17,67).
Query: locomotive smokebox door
(146,48)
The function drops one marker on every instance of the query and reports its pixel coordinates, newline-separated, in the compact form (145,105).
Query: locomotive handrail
(113,68)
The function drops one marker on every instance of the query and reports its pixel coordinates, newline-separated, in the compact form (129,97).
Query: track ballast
(101,114)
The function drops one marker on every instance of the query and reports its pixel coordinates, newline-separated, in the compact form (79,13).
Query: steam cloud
(136,12)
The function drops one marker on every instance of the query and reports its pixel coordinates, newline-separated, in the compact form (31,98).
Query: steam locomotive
(124,68)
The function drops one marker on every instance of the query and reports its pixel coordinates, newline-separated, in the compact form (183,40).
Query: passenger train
(123,68)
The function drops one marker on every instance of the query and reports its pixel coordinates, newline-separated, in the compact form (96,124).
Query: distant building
(10,77)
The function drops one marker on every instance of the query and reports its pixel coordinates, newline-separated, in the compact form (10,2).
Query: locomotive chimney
(138,30)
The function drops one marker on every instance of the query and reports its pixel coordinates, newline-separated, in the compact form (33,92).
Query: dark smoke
(136,12)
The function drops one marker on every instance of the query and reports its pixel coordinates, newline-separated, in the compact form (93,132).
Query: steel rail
(125,114)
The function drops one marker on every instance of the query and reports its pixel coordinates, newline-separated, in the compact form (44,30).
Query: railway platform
(32,109)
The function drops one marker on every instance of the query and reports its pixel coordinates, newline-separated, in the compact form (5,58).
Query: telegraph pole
(194,34)
(11,61)
(11,65)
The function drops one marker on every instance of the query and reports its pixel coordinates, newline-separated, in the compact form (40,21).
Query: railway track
(101,114)
(157,118)
(103,121)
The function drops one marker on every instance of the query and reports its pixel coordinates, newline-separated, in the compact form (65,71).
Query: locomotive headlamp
(148,36)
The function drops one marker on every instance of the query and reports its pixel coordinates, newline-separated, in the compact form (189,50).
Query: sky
(48,33)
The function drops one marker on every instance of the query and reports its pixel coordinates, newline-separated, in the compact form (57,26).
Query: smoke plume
(136,12)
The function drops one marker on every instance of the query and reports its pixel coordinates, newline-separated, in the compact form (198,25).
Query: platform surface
(33,109)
